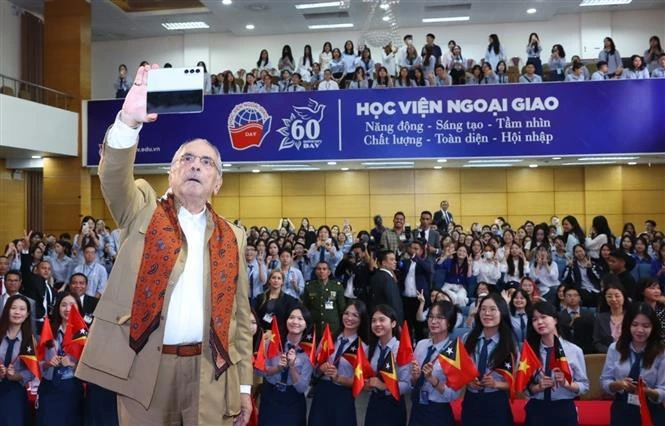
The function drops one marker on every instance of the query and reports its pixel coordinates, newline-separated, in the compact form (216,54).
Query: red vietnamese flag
(560,360)
(260,360)
(76,334)
(405,350)
(308,344)
(29,359)
(360,370)
(327,346)
(46,336)
(389,374)
(457,365)
(529,364)
(275,344)
(645,414)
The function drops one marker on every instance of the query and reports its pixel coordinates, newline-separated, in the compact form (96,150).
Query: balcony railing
(34,92)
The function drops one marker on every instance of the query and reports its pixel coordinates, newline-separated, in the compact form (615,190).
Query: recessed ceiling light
(226,2)
(36,157)
(304,169)
(387,163)
(256,171)
(318,5)
(632,163)
(174,26)
(249,26)
(533,166)
(385,6)
(344,169)
(607,158)
(386,18)
(589,163)
(227,165)
(498,160)
(531,11)
(438,167)
(291,166)
(489,165)
(556,158)
(604,2)
(332,163)
(446,19)
(329,26)
(441,160)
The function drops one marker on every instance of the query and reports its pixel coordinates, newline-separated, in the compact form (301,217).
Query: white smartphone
(175,90)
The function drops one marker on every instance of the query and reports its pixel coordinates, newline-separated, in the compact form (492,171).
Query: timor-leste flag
(362,370)
(260,359)
(645,414)
(405,350)
(46,336)
(529,364)
(351,352)
(76,334)
(388,372)
(457,365)
(560,360)
(28,357)
(326,347)
(506,371)
(308,345)
(275,343)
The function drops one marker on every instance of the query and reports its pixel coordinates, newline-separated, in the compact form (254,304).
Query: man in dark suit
(576,324)
(384,284)
(443,218)
(415,277)
(38,288)
(430,237)
(78,283)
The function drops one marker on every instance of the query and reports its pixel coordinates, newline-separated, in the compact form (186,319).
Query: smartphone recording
(175,90)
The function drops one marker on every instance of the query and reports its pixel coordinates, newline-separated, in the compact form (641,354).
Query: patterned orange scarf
(163,242)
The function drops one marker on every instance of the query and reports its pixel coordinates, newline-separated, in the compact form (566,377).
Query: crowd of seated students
(350,68)
(525,283)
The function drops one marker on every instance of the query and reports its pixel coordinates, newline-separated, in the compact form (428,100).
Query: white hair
(181,148)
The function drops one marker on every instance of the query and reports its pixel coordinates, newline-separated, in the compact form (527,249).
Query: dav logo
(303,127)
(248,124)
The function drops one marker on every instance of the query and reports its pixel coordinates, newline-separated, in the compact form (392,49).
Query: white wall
(10,40)
(580,34)
(32,126)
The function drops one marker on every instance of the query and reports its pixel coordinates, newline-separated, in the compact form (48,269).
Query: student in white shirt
(637,69)
(328,83)
(530,75)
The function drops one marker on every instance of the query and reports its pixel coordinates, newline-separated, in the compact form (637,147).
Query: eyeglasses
(435,317)
(491,310)
(206,161)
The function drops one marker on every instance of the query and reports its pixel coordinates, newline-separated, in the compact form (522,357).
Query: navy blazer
(423,275)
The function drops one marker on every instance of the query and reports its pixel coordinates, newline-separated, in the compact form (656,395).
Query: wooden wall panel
(474,181)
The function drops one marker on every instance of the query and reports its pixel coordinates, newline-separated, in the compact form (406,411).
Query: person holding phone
(165,314)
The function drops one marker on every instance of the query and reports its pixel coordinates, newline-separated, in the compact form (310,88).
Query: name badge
(267,318)
(329,305)
(633,399)
(333,294)
(87,319)
(281,387)
(423,398)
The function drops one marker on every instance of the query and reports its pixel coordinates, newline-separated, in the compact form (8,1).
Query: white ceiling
(273,17)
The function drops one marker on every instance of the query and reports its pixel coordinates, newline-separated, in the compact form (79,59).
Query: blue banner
(514,120)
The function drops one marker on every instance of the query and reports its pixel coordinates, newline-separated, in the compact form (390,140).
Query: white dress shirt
(328,85)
